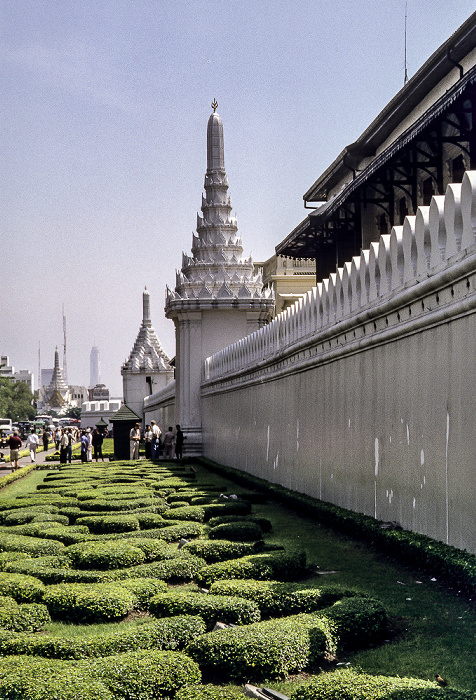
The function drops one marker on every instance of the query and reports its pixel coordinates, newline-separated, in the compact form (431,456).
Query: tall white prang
(217,298)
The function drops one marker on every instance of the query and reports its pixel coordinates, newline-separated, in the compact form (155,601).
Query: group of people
(171,443)
(91,440)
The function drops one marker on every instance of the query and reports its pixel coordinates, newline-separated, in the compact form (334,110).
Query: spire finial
(214,105)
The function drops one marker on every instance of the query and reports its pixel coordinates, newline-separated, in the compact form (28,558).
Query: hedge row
(105,555)
(266,566)
(211,608)
(28,617)
(81,602)
(32,545)
(276,647)
(237,532)
(454,566)
(275,599)
(220,550)
(355,685)
(148,675)
(209,692)
(169,633)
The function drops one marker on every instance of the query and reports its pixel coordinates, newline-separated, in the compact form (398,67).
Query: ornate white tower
(217,298)
(57,393)
(148,368)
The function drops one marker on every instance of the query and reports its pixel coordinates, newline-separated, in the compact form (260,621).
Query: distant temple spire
(147,353)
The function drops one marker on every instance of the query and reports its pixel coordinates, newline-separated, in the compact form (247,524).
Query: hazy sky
(104,107)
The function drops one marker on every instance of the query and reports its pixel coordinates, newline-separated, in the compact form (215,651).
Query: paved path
(40,459)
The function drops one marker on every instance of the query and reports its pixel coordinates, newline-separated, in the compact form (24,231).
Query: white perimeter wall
(372,410)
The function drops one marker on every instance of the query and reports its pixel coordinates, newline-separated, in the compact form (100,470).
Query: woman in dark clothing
(97,444)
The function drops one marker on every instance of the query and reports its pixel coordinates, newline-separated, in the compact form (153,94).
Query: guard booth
(102,426)
(123,421)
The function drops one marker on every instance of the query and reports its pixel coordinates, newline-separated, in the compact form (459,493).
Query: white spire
(216,269)
(147,353)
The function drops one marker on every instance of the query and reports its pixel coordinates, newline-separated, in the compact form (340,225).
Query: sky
(104,107)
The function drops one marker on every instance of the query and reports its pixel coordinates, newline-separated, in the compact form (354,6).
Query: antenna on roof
(406,72)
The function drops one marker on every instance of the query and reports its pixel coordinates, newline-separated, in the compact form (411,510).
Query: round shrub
(104,555)
(209,692)
(144,589)
(170,633)
(82,602)
(212,608)
(24,589)
(147,675)
(354,685)
(220,550)
(236,532)
(29,617)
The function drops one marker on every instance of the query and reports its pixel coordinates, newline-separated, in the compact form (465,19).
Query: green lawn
(433,630)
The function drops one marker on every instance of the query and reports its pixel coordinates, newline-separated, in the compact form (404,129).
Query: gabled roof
(125,414)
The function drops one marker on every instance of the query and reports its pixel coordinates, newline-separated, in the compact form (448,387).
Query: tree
(16,400)
(74,412)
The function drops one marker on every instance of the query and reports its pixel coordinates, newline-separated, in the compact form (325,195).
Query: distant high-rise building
(94,367)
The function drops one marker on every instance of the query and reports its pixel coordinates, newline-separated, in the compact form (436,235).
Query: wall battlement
(430,248)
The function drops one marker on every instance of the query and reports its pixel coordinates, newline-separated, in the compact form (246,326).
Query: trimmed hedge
(67,535)
(349,684)
(181,568)
(279,646)
(85,603)
(212,608)
(100,524)
(29,617)
(32,678)
(170,633)
(195,513)
(268,649)
(454,566)
(32,545)
(148,675)
(264,523)
(279,565)
(275,599)
(236,532)
(220,550)
(172,533)
(143,590)
(105,555)
(24,589)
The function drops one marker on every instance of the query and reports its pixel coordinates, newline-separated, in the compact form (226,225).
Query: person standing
(69,449)
(84,446)
(168,443)
(134,440)
(46,437)
(155,444)
(148,435)
(32,443)
(179,438)
(97,444)
(63,446)
(14,443)
(90,445)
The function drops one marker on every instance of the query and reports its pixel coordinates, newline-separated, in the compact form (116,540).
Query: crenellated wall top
(437,239)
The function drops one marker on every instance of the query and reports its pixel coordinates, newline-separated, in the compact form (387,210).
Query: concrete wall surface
(364,393)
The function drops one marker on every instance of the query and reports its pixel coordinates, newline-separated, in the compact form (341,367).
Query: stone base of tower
(193,442)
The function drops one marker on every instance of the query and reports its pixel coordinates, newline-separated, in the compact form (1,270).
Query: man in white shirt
(32,443)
